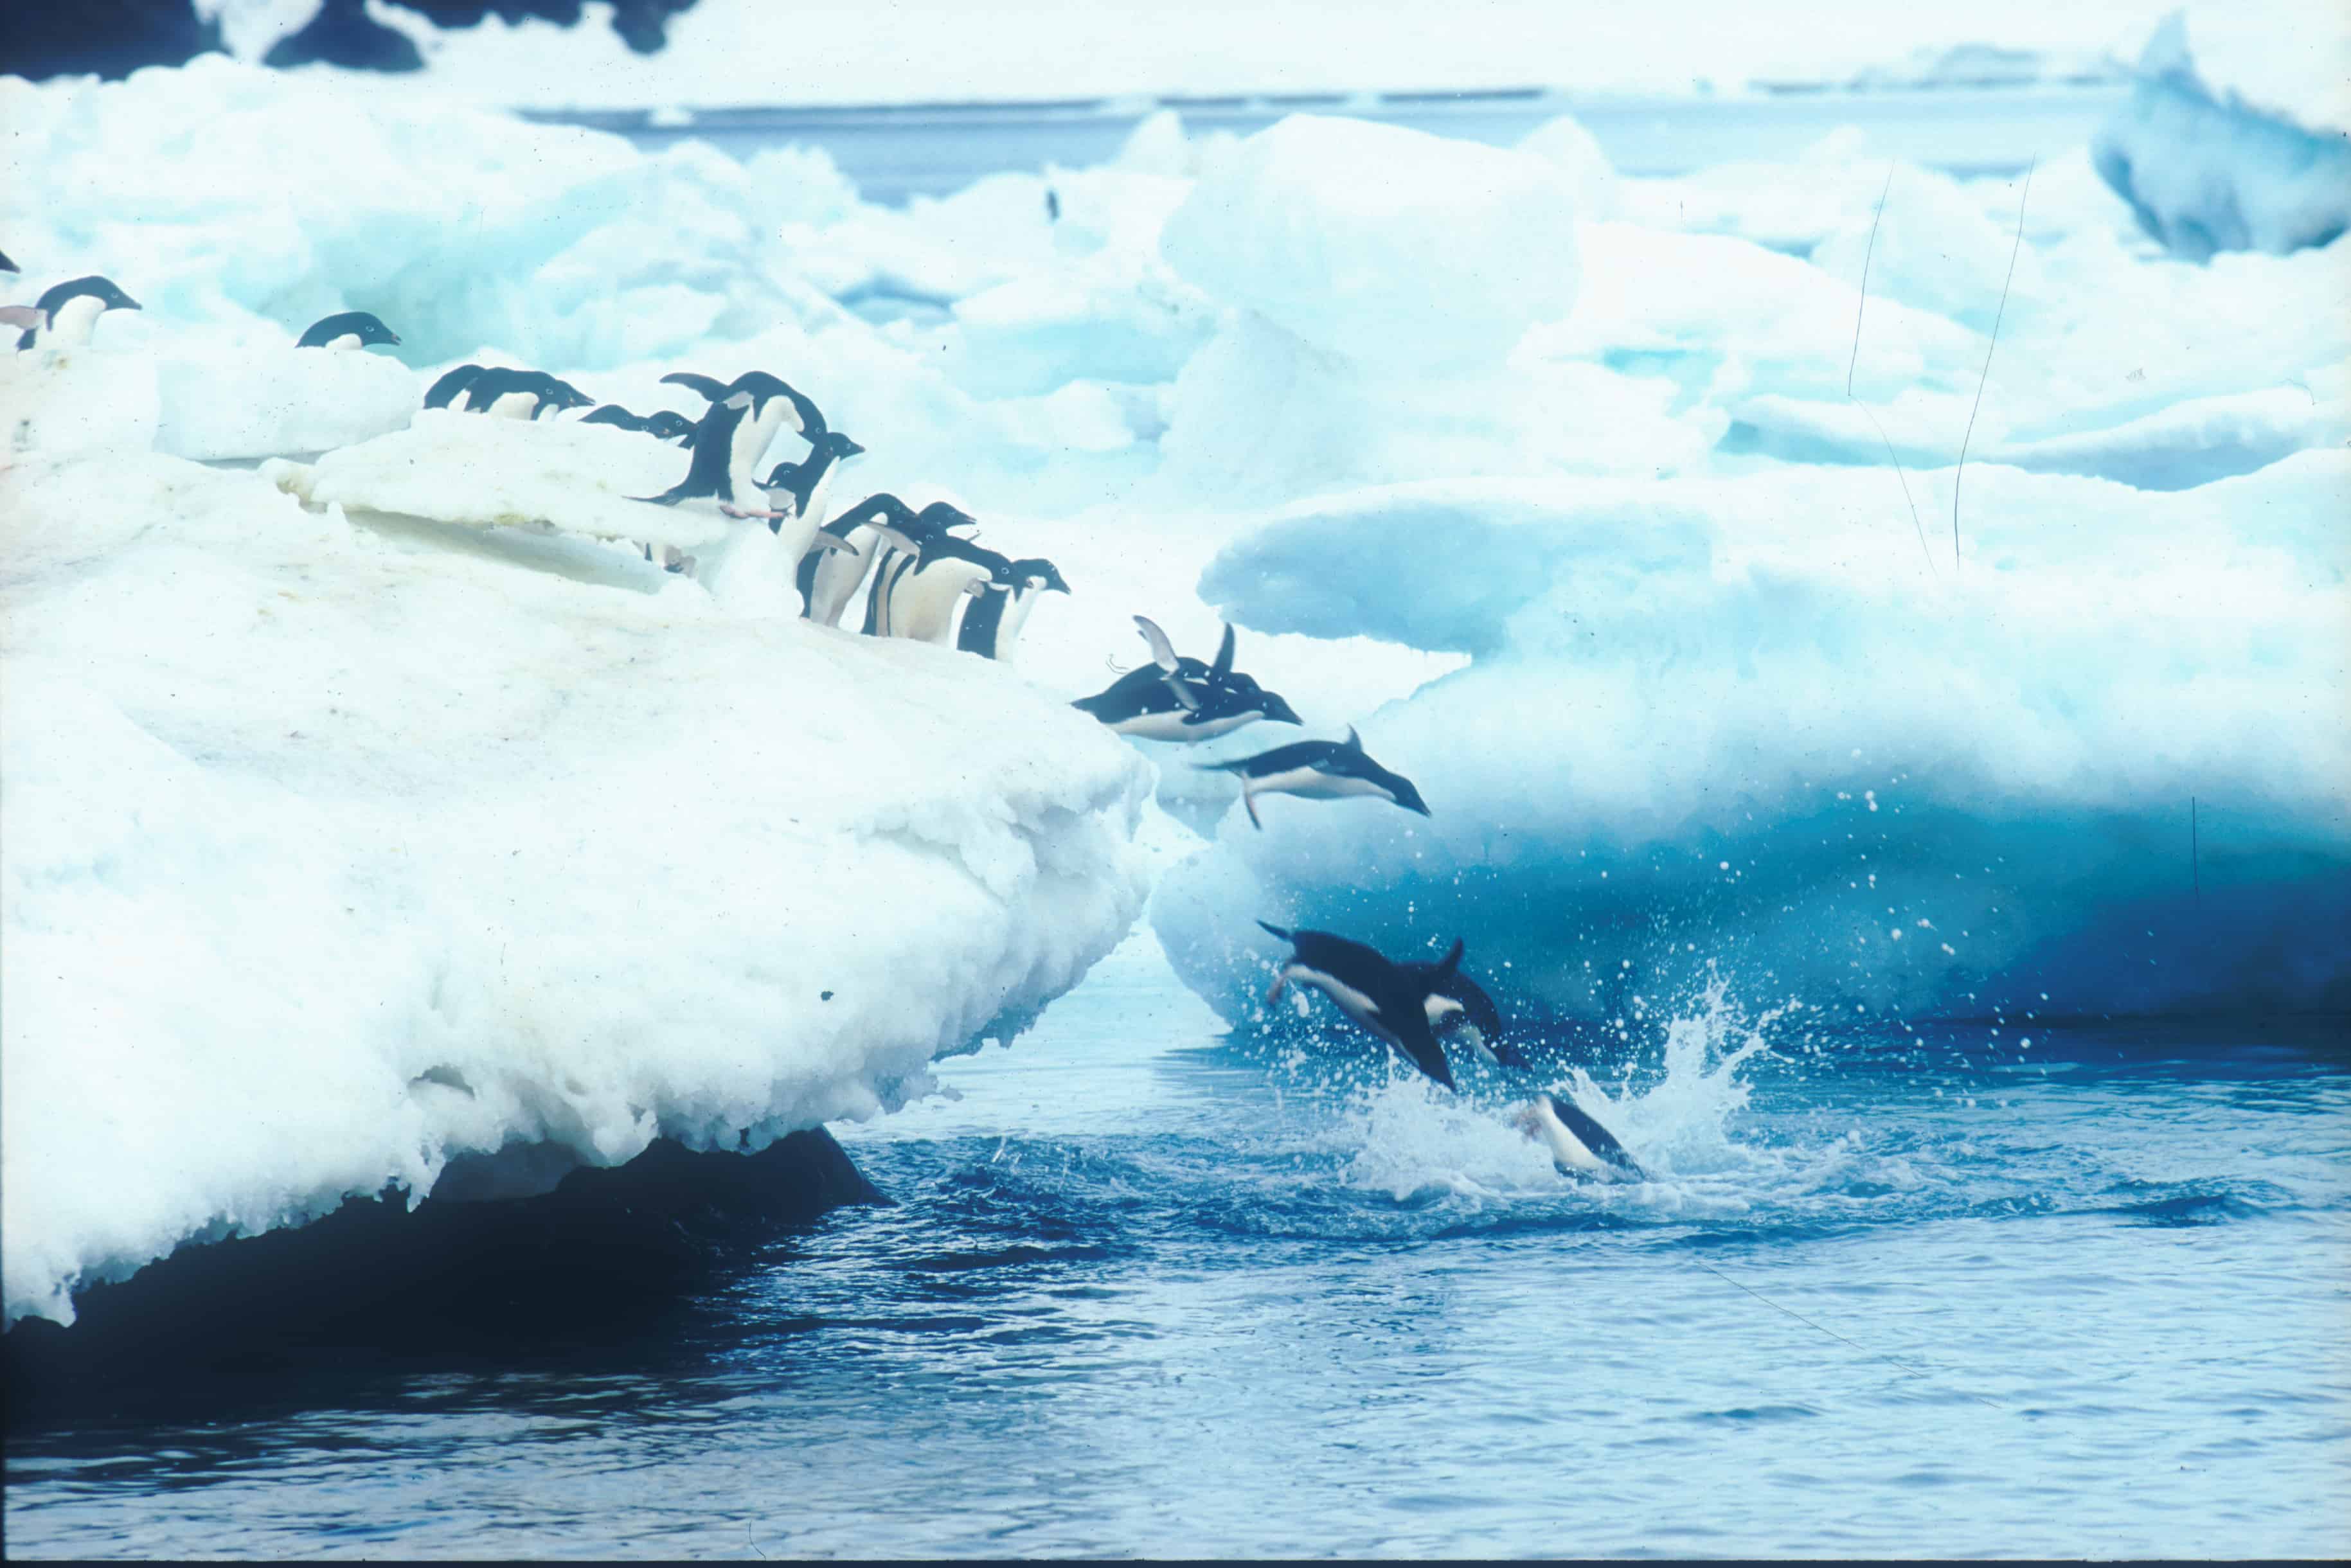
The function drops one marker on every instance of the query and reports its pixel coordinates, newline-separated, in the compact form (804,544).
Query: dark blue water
(1151,1289)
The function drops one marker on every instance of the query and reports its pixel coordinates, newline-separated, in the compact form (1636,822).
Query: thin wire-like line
(1874,1354)
(1917,522)
(2014,251)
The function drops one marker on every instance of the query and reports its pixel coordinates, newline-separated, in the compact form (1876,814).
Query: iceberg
(1739,722)
(339,858)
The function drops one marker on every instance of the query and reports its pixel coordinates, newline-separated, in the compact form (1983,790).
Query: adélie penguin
(664,425)
(66,312)
(892,562)
(1579,1146)
(1317,771)
(347,329)
(809,481)
(521,394)
(1181,699)
(1471,1016)
(446,387)
(923,601)
(992,621)
(1392,1000)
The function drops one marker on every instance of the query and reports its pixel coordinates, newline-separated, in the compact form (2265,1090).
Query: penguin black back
(360,325)
(443,390)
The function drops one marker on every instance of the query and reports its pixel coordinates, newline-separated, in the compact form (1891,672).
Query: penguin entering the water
(444,389)
(664,425)
(1182,699)
(1317,771)
(1460,1005)
(66,311)
(837,576)
(1394,1002)
(1579,1146)
(347,329)
(520,395)
(992,621)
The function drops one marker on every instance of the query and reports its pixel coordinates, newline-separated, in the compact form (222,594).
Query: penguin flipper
(24,315)
(1224,665)
(1249,804)
(1273,930)
(1162,652)
(708,388)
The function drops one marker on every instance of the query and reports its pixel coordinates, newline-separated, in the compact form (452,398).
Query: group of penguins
(922,568)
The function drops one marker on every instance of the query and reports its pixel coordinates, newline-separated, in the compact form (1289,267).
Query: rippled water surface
(1152,1289)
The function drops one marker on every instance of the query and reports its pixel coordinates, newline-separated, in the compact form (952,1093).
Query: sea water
(1151,1288)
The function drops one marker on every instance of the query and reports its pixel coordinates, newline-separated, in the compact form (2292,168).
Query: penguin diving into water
(347,329)
(992,621)
(1392,1000)
(1317,771)
(1471,1016)
(1578,1144)
(665,425)
(1184,700)
(66,312)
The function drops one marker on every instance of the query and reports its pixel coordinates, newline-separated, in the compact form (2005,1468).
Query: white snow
(335,854)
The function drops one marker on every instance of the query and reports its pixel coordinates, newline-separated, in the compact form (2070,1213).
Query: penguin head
(1273,704)
(102,289)
(1039,575)
(370,330)
(945,517)
(669,425)
(839,447)
(1402,790)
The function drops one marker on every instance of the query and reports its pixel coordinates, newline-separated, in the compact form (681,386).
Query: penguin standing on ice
(1578,1144)
(882,532)
(1182,699)
(729,442)
(665,425)
(1393,1001)
(809,481)
(66,312)
(923,601)
(1317,771)
(992,621)
(347,329)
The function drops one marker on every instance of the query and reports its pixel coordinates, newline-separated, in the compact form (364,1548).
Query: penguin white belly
(838,575)
(347,341)
(924,606)
(513,405)
(1016,615)
(1567,1151)
(792,538)
(70,323)
(1214,726)
(1349,1000)
(1313,784)
(1160,727)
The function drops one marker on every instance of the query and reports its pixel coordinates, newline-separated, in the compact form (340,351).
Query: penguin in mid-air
(1394,1002)
(1472,1016)
(347,329)
(992,621)
(1317,771)
(446,387)
(1579,1146)
(65,313)
(520,395)
(871,528)
(665,425)
(1184,700)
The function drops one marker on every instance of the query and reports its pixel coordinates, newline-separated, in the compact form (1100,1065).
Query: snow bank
(1744,722)
(226,395)
(488,472)
(335,856)
(2256,155)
